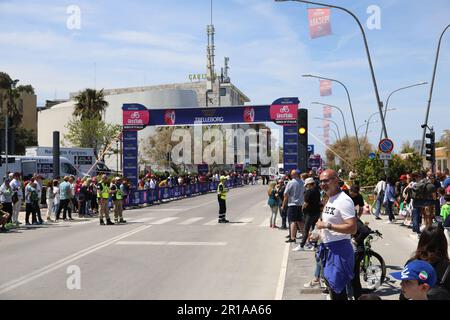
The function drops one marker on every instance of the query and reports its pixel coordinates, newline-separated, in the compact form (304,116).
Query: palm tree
(90,104)
(9,96)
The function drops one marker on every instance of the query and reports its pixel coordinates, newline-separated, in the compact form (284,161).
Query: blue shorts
(294,213)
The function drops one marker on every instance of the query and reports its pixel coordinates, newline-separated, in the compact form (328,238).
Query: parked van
(43,166)
(83,159)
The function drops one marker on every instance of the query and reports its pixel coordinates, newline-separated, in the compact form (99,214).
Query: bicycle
(371,266)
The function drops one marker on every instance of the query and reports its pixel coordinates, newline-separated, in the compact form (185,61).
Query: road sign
(372,156)
(386,146)
(310,148)
(385,156)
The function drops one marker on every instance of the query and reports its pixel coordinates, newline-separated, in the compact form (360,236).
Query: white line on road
(165,220)
(58,264)
(211,223)
(191,220)
(265,223)
(169,243)
(282,278)
(242,222)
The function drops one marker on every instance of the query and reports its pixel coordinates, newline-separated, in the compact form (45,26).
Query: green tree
(347,152)
(92,133)
(90,104)
(407,147)
(24,138)
(445,139)
(370,171)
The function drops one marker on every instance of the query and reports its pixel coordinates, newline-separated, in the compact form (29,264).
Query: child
(418,277)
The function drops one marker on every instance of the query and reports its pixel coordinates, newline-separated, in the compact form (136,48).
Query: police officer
(222,196)
(117,197)
(103,197)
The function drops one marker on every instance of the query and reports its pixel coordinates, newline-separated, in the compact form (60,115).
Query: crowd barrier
(141,197)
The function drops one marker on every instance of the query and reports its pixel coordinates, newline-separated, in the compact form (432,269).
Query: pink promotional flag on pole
(325,88)
(326,112)
(319,22)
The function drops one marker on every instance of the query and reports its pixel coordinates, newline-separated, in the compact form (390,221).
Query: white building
(173,96)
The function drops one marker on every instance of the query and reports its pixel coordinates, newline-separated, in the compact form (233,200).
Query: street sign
(385,156)
(310,148)
(386,146)
(372,156)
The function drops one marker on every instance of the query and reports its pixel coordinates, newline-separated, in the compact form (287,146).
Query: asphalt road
(177,251)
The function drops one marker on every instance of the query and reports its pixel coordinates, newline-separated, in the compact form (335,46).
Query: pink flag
(325,88)
(326,112)
(319,22)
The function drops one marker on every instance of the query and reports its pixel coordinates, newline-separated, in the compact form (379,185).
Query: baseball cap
(403,177)
(309,180)
(417,270)
(298,171)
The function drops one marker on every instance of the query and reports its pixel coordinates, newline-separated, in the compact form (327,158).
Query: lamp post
(366,123)
(379,103)
(431,89)
(368,120)
(387,101)
(349,102)
(334,131)
(343,118)
(339,133)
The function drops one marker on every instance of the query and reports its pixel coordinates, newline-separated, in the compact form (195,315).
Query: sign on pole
(386,146)
(385,156)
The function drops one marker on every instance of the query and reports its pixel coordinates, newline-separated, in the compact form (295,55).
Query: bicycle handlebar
(378,233)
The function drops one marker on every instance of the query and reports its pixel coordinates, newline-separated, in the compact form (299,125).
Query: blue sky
(135,43)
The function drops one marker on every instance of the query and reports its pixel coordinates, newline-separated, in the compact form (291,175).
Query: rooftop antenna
(210,75)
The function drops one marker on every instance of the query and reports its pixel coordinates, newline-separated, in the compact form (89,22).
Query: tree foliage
(90,104)
(91,133)
(407,147)
(344,153)
(24,138)
(370,171)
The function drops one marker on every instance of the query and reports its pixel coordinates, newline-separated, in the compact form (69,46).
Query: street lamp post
(339,133)
(387,101)
(385,112)
(431,89)
(334,132)
(343,118)
(366,123)
(379,103)
(349,102)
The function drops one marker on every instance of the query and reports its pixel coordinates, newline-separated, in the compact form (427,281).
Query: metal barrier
(157,195)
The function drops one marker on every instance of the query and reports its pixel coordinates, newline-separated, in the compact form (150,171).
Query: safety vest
(103,192)
(223,194)
(119,194)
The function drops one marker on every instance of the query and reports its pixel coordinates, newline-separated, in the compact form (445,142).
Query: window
(69,169)
(223,92)
(444,164)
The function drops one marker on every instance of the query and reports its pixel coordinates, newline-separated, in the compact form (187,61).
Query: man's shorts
(294,213)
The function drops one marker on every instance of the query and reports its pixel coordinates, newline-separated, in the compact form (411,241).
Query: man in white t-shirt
(338,223)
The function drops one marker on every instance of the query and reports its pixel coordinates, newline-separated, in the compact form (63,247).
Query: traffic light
(430,150)
(302,139)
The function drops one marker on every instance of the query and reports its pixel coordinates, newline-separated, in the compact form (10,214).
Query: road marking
(282,278)
(211,223)
(169,243)
(242,221)
(142,220)
(265,223)
(191,220)
(60,263)
(165,220)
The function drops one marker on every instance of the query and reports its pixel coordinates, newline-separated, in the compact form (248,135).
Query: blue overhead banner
(136,117)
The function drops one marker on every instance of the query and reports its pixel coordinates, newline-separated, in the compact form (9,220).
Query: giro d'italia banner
(319,22)
(136,117)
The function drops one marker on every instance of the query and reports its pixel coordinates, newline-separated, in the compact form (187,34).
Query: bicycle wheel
(372,270)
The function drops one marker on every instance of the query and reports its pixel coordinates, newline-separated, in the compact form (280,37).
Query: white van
(82,158)
(43,166)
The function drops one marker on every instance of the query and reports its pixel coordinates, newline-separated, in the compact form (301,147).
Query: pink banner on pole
(327,112)
(319,22)
(284,114)
(325,88)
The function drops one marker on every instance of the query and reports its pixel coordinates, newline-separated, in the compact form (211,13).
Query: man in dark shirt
(357,198)
(311,209)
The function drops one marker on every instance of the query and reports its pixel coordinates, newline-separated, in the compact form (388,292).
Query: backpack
(440,291)
(423,190)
